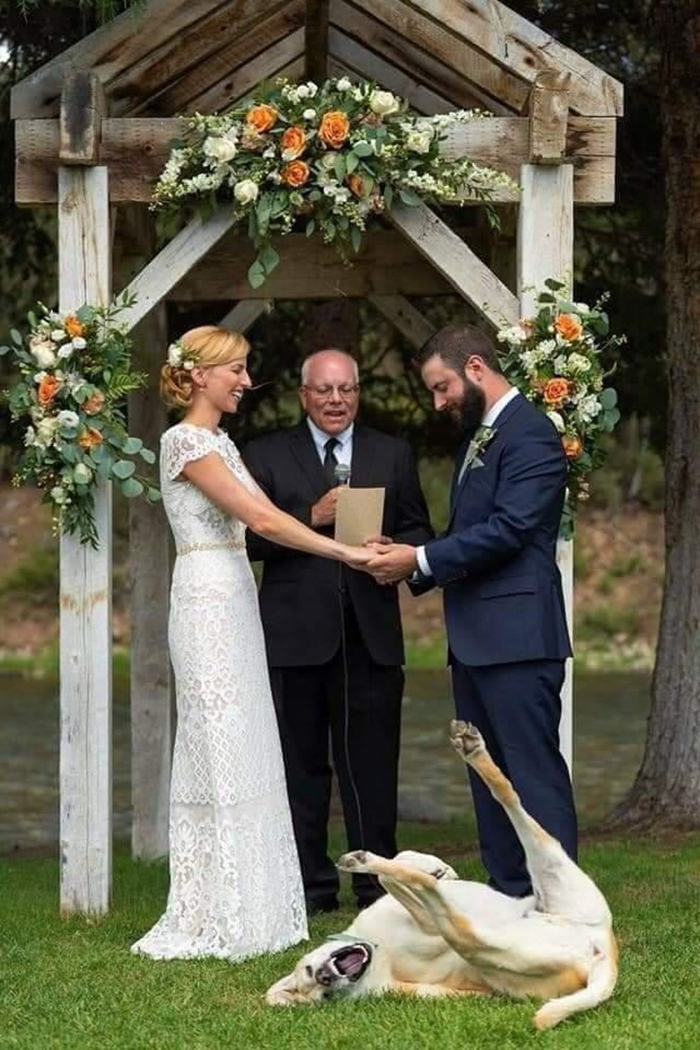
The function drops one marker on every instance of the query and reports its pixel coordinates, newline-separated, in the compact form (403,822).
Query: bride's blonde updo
(209,346)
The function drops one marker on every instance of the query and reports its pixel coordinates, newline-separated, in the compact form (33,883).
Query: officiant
(334,638)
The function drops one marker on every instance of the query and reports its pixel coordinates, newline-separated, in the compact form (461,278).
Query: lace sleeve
(181,445)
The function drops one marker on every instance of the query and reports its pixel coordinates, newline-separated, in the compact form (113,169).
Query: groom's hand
(393,562)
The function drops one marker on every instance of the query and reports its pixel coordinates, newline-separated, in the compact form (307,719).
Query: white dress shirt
(488,421)
(342,451)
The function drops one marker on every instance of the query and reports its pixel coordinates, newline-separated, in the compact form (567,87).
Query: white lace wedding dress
(235,882)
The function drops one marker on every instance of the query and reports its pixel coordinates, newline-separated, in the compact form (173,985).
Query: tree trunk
(667,789)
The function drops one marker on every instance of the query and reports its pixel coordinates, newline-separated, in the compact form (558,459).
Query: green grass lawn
(74,984)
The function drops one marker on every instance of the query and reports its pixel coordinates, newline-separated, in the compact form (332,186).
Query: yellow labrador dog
(435,935)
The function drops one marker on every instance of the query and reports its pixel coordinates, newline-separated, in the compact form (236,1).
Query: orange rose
(73,326)
(262,117)
(573,446)
(48,388)
(334,129)
(357,184)
(94,404)
(90,438)
(293,143)
(556,392)
(568,326)
(296,173)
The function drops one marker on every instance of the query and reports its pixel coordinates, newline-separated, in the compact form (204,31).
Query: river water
(610,728)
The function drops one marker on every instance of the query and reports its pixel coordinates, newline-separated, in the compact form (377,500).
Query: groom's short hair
(456,344)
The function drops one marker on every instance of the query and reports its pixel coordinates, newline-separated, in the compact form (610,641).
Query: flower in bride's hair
(181,356)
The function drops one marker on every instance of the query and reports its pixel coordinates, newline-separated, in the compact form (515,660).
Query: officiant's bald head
(330,389)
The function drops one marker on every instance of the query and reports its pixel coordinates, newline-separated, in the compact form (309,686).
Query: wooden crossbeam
(516,45)
(456,261)
(244,314)
(316,40)
(174,261)
(404,316)
(83,107)
(136,150)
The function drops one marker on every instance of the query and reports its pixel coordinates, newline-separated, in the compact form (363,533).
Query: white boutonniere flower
(477,446)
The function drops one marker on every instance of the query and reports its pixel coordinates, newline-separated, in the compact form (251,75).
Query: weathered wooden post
(546,249)
(86,574)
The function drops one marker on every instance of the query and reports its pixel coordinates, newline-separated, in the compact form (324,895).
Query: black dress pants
(358,703)
(517,709)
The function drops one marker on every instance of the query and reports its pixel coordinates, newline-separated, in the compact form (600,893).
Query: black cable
(346,706)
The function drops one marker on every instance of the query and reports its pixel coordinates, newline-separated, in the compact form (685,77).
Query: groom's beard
(471,409)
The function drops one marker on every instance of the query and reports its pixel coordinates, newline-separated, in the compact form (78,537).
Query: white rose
(583,308)
(309,114)
(46,431)
(578,363)
(557,420)
(547,347)
(269,153)
(220,149)
(174,355)
(383,103)
(58,335)
(65,351)
(246,191)
(303,91)
(30,437)
(311,88)
(66,418)
(82,474)
(419,139)
(188,365)
(560,364)
(43,354)
(344,84)
(328,160)
(357,94)
(78,343)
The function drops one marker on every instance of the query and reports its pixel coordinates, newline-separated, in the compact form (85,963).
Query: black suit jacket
(300,598)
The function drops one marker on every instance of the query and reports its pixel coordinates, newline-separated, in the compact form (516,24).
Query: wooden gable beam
(516,45)
(456,261)
(416,328)
(316,40)
(244,314)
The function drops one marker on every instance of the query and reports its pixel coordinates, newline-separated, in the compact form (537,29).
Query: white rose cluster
(384,103)
(588,408)
(246,191)
(295,93)
(420,138)
(220,149)
(578,364)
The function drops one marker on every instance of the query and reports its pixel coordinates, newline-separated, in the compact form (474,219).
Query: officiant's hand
(393,562)
(323,512)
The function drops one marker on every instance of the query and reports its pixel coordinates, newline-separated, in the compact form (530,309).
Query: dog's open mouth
(350,962)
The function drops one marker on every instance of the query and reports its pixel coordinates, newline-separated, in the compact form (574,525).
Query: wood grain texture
(456,261)
(83,107)
(316,43)
(549,113)
(416,328)
(85,592)
(244,314)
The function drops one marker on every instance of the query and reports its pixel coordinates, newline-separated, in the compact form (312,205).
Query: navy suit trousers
(517,708)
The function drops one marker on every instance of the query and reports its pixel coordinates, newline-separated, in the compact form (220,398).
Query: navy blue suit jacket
(497,560)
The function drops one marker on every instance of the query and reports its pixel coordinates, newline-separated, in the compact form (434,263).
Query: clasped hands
(390,562)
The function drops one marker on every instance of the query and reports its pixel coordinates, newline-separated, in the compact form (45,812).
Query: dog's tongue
(350,962)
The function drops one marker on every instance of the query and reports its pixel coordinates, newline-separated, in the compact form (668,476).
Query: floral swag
(555,359)
(332,157)
(74,373)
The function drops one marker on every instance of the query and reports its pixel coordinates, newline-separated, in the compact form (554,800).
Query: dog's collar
(349,939)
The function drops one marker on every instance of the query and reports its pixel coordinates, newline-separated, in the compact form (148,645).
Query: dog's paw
(466,740)
(355,861)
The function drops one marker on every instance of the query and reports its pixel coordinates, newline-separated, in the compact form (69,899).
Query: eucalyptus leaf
(269,258)
(131,487)
(554,285)
(256,274)
(410,198)
(310,227)
(15,337)
(4,350)
(362,149)
(351,162)
(147,455)
(608,398)
(388,195)
(132,445)
(339,167)
(123,469)
(153,495)
(355,238)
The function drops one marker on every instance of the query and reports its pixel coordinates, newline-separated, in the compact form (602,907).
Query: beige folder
(358,515)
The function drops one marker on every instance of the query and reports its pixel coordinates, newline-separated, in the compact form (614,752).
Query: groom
(504,607)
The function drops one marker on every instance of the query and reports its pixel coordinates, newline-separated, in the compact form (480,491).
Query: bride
(235,883)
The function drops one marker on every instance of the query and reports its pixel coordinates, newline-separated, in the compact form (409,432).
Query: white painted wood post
(546,249)
(86,590)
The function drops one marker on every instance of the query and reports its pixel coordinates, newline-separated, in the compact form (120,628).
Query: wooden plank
(316,44)
(520,47)
(241,64)
(136,150)
(270,63)
(244,314)
(82,108)
(549,113)
(171,264)
(144,80)
(455,260)
(309,269)
(349,57)
(108,51)
(412,30)
(546,249)
(86,592)
(404,316)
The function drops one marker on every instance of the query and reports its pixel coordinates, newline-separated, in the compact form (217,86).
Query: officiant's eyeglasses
(323,393)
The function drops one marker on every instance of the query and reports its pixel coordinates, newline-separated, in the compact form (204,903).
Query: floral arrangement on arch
(332,156)
(74,372)
(555,359)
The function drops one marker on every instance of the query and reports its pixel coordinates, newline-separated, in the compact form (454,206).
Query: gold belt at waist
(189,548)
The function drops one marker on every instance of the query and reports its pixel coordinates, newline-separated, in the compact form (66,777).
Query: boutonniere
(477,446)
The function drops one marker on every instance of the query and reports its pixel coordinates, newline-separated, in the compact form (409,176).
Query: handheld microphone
(341,473)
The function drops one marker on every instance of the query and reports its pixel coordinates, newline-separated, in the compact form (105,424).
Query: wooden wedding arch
(92,134)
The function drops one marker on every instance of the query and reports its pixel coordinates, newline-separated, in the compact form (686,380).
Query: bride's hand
(357,557)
